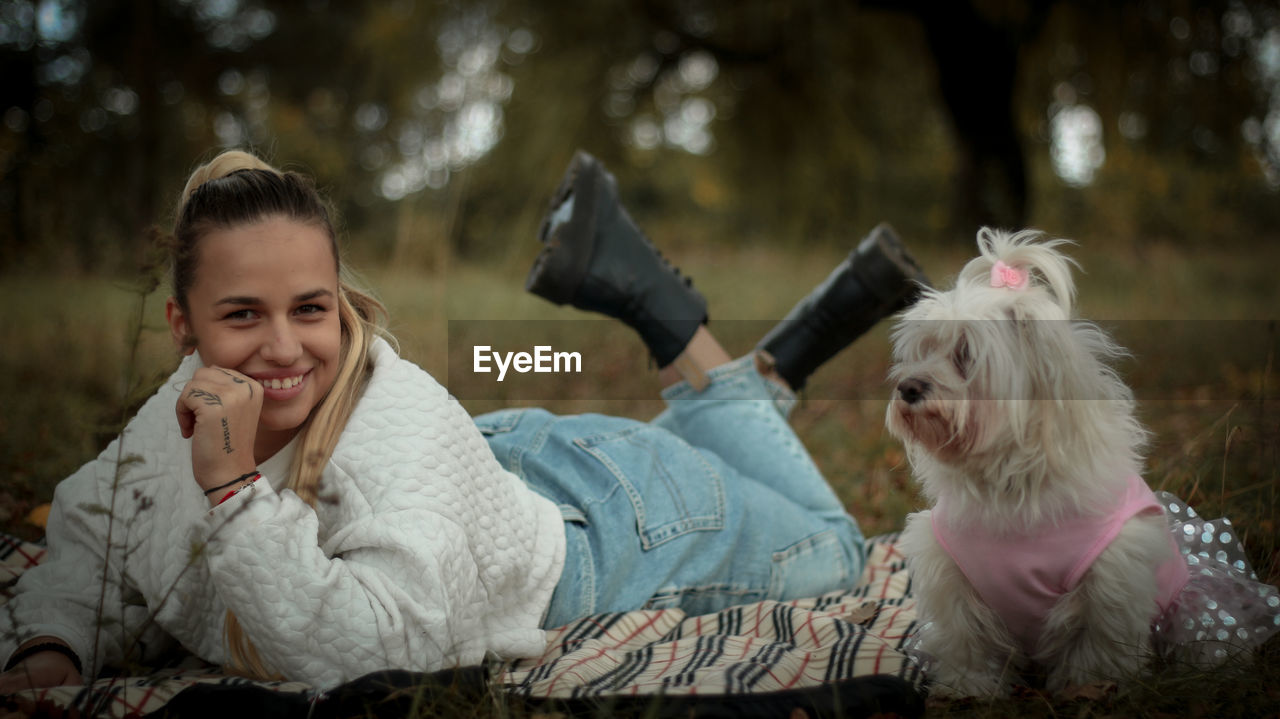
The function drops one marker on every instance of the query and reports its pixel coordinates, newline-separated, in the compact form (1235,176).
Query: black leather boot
(874,281)
(596,259)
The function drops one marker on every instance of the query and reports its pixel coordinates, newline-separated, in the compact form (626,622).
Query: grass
(1204,368)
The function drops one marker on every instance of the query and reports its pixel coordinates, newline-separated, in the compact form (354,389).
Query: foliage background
(440,127)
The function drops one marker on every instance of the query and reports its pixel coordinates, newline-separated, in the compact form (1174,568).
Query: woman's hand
(43,669)
(218,410)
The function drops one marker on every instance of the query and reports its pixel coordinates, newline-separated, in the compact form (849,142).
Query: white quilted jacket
(423,552)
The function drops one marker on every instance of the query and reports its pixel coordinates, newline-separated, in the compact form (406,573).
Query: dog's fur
(1018,420)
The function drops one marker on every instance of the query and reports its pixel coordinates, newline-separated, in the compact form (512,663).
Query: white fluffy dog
(1043,548)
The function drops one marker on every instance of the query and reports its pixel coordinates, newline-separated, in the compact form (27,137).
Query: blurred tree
(1179,103)
(977,53)
(109,103)
(973,51)
(1174,81)
(806,121)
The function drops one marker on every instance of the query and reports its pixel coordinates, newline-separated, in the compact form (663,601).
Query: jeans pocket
(813,566)
(671,486)
(499,422)
(572,514)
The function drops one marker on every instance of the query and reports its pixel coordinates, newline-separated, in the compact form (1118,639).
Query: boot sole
(561,267)
(881,255)
(893,250)
(828,319)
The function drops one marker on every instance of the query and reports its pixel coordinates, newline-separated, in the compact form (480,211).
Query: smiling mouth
(283,383)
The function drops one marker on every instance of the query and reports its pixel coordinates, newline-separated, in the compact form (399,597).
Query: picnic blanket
(847,639)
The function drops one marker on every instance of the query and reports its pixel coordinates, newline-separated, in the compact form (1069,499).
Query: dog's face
(963,360)
(933,375)
(994,378)
(983,371)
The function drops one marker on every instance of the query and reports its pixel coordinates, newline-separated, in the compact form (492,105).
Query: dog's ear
(1049,382)
(1081,412)
(1055,364)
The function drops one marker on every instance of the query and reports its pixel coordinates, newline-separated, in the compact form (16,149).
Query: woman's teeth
(285,383)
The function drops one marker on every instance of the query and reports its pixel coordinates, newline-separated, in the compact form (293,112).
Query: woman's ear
(179,328)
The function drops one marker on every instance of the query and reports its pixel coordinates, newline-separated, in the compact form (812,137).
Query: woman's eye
(239,315)
(310,309)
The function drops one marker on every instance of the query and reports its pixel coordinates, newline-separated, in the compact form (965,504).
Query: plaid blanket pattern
(762,647)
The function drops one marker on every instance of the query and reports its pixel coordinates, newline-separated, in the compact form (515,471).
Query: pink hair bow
(1003,275)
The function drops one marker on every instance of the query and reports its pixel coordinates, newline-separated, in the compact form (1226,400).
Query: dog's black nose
(912,390)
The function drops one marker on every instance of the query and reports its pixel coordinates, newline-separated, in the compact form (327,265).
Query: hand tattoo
(237,380)
(210,399)
(226,436)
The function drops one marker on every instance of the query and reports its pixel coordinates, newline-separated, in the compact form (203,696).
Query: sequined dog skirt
(1224,607)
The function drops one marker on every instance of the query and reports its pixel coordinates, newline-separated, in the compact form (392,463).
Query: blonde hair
(237,188)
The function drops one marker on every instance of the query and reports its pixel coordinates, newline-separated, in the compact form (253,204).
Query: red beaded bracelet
(247,475)
(240,489)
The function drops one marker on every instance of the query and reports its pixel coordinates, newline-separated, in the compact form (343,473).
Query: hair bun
(221,166)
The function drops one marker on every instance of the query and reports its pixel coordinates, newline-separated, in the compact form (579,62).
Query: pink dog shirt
(1022,575)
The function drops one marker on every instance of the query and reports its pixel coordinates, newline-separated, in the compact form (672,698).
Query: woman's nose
(283,346)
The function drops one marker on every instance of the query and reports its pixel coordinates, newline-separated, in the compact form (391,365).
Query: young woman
(297,501)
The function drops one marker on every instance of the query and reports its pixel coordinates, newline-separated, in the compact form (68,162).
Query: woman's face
(264,302)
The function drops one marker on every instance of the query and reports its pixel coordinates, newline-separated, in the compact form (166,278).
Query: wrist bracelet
(62,649)
(241,478)
(238,490)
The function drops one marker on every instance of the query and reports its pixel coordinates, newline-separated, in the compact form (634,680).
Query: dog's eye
(960,357)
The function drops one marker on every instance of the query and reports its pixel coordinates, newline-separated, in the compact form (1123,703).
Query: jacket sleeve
(78,593)
(324,620)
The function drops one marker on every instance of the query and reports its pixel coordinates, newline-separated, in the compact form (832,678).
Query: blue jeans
(713,503)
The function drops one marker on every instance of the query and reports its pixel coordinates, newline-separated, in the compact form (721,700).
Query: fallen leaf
(39,516)
(861,613)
